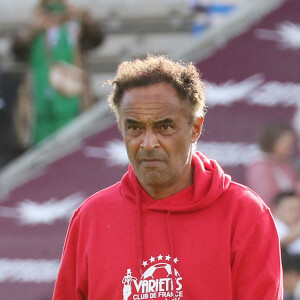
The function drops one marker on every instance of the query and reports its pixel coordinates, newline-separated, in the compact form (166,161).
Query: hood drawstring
(171,246)
(139,232)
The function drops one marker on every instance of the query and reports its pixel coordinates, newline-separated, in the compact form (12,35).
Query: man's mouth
(151,162)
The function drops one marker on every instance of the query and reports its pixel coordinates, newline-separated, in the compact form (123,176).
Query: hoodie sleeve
(256,262)
(71,282)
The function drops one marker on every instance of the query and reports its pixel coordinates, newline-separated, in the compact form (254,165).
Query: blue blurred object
(198,28)
(209,10)
(221,9)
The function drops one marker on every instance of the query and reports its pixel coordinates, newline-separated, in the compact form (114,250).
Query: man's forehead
(152,103)
(150,112)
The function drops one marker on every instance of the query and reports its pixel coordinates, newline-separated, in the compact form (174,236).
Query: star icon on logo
(176,260)
(144,264)
(168,258)
(152,259)
(160,257)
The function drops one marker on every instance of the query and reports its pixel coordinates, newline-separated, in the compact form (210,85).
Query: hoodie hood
(211,183)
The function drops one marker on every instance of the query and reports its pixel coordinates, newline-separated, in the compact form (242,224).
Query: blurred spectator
(286,211)
(9,82)
(209,12)
(291,276)
(201,19)
(57,88)
(274,171)
(296,125)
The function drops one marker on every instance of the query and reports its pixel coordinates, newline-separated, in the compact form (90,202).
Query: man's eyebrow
(159,122)
(165,121)
(131,122)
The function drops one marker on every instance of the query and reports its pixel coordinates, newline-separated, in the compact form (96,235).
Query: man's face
(284,147)
(157,134)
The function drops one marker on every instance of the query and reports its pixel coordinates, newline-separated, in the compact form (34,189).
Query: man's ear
(197,129)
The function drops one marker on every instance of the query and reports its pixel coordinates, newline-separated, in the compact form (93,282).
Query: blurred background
(58,138)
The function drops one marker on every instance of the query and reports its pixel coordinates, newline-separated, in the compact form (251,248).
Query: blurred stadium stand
(132,30)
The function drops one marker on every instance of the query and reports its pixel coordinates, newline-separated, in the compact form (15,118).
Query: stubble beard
(153,178)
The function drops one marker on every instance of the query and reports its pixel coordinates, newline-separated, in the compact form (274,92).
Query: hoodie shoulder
(244,197)
(105,197)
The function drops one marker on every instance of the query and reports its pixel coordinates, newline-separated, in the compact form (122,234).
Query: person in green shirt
(56,87)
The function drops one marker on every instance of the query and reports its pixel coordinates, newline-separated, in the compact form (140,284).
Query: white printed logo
(157,281)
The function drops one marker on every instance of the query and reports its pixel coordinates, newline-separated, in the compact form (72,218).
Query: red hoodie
(214,240)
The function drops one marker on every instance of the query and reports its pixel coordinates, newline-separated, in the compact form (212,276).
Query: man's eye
(134,130)
(133,127)
(165,127)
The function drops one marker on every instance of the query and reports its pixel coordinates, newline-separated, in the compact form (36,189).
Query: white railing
(15,11)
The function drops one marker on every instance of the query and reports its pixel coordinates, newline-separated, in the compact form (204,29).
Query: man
(175,219)
(54,46)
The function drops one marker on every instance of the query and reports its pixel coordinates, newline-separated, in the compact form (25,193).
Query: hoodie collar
(210,182)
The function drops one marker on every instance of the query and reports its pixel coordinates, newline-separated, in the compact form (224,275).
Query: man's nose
(149,141)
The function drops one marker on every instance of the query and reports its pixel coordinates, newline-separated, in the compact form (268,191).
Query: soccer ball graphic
(164,270)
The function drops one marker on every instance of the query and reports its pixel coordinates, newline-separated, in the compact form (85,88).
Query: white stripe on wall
(230,154)
(253,90)
(227,154)
(28,270)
